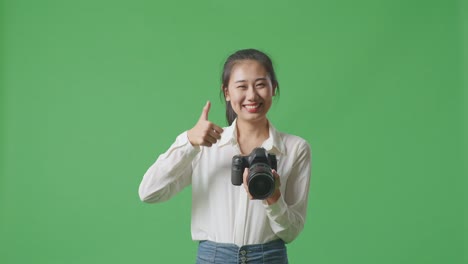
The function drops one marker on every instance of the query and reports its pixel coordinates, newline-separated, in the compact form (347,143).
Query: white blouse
(222,212)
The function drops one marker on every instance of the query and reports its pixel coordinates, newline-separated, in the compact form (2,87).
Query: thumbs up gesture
(204,133)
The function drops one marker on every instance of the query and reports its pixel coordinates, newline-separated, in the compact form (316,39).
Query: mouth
(253,108)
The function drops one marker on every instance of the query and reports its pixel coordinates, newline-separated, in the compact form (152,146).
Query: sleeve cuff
(184,140)
(277,209)
(183,146)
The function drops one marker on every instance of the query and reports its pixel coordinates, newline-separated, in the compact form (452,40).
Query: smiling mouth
(253,108)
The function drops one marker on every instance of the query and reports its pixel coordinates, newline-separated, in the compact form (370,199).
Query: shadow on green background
(93,91)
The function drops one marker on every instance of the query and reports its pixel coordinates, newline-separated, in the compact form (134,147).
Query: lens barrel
(261,182)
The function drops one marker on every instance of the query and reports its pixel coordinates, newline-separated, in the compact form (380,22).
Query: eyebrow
(258,79)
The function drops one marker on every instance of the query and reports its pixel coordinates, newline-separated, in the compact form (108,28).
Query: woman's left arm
(287,211)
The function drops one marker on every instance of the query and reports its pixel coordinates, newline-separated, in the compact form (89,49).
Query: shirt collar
(274,144)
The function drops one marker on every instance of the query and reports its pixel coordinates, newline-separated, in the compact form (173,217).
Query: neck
(252,131)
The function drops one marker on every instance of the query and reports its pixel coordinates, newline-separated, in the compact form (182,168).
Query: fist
(204,133)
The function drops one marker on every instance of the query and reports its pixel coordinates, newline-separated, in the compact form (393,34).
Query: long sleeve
(170,173)
(287,215)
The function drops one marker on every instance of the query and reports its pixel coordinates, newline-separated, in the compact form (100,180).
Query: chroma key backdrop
(92,92)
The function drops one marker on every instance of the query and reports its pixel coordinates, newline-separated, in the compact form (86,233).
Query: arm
(287,214)
(170,173)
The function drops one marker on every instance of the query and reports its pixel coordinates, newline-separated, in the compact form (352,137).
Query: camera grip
(237,170)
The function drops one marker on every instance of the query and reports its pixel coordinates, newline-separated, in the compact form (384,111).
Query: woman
(230,225)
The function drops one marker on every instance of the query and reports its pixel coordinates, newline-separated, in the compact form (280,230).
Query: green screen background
(93,91)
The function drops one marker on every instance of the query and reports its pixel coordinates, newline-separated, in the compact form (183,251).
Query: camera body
(260,181)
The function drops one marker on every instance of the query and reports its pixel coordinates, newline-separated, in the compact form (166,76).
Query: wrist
(189,136)
(274,197)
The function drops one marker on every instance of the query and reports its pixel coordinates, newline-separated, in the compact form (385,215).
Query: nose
(251,93)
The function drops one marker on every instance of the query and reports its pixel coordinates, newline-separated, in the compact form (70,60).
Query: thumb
(206,109)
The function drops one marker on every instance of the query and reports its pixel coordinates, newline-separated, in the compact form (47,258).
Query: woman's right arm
(170,173)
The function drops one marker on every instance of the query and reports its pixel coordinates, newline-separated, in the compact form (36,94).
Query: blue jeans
(273,252)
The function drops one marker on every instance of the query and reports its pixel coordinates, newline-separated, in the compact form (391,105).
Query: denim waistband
(271,252)
(272,244)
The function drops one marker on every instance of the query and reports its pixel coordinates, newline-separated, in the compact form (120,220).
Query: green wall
(93,91)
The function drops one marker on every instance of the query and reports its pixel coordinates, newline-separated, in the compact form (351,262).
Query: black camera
(260,181)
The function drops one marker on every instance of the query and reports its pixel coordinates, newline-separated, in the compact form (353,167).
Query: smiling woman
(231,225)
(249,91)
(248,67)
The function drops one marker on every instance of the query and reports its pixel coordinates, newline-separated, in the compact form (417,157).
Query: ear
(226,93)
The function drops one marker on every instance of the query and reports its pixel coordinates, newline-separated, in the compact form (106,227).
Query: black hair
(245,54)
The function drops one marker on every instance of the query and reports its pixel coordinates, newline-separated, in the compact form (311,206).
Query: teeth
(251,106)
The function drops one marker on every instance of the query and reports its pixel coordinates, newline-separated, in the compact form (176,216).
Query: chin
(252,117)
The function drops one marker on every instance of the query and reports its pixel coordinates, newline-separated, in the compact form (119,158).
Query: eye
(242,87)
(260,85)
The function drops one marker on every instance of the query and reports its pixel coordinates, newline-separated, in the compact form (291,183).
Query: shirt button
(243,252)
(243,259)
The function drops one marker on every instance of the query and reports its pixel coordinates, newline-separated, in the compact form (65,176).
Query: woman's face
(250,91)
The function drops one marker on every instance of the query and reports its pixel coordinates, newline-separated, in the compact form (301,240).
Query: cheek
(235,97)
(267,95)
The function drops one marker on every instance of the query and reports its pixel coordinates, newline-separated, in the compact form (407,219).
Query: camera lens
(260,186)
(261,183)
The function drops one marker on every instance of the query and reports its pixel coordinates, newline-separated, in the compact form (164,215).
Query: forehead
(248,70)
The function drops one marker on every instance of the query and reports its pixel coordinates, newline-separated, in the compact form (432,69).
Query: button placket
(243,256)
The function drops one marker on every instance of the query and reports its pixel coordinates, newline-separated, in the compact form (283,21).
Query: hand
(276,193)
(204,133)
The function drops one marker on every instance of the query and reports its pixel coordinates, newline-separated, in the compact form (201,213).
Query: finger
(275,174)
(206,109)
(277,178)
(218,129)
(206,144)
(210,139)
(246,173)
(214,134)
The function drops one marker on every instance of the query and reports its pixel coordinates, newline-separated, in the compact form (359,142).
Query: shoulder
(294,147)
(291,140)
(289,143)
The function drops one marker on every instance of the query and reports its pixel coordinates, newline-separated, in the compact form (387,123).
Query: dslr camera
(260,181)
